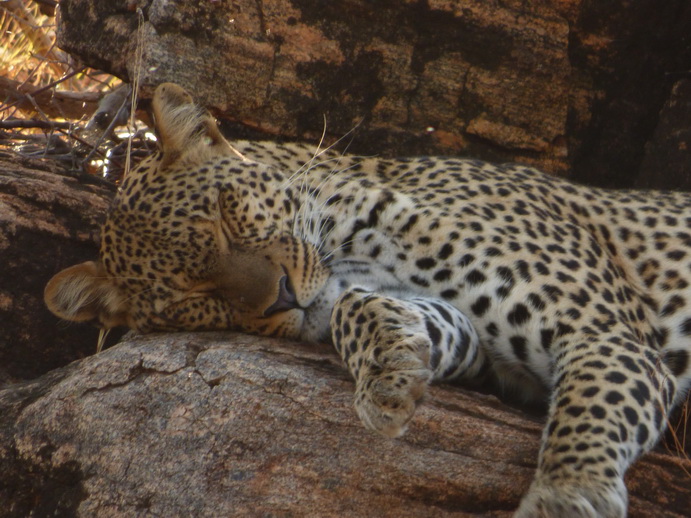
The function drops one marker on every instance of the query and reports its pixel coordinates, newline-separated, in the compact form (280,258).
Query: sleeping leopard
(417,270)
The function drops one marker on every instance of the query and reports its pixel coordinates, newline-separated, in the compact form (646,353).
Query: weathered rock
(630,54)
(667,162)
(48,221)
(570,86)
(234,425)
(440,78)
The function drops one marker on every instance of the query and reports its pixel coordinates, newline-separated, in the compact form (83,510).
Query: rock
(667,161)
(48,220)
(570,86)
(222,424)
(420,79)
(630,55)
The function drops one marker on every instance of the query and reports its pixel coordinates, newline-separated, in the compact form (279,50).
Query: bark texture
(571,86)
(234,425)
(48,220)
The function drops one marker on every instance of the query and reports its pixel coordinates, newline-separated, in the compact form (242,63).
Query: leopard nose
(286,300)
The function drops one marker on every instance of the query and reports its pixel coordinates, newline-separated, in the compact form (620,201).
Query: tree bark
(221,424)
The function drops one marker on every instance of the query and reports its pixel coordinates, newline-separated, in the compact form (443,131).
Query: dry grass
(34,75)
(28,52)
(29,56)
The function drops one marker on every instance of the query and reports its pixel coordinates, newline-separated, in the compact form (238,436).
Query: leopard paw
(386,395)
(543,501)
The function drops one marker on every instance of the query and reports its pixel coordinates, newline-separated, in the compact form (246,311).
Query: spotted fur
(416,269)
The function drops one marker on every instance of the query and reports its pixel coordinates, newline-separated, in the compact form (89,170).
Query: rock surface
(667,161)
(424,78)
(571,86)
(48,221)
(233,425)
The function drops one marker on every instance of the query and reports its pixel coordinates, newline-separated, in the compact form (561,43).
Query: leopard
(417,270)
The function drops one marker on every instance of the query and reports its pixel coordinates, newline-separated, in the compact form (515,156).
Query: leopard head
(198,237)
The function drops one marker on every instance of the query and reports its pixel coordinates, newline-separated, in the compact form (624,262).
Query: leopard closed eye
(416,269)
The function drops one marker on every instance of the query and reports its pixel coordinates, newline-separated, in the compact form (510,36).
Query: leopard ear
(185,130)
(84,292)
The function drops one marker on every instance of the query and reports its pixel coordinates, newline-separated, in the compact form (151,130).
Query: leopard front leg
(394,348)
(609,406)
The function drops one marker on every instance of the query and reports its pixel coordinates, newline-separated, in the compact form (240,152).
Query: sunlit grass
(30,57)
